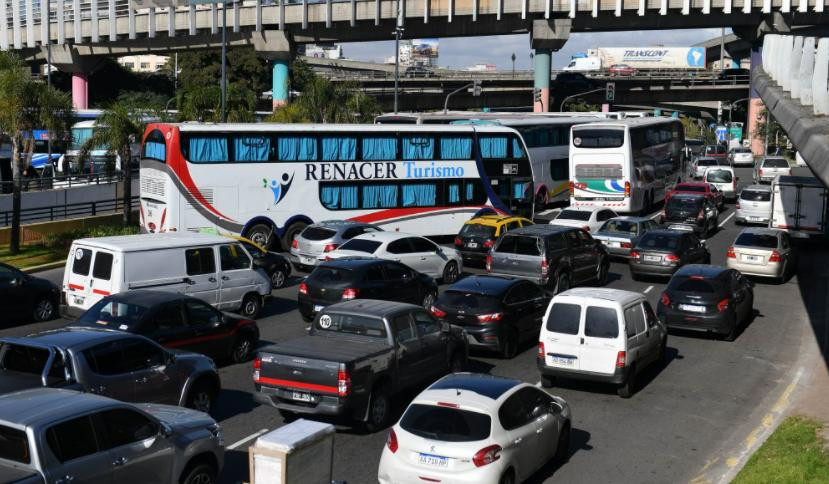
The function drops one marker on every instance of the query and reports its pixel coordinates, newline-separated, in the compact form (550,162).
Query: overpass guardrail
(67,211)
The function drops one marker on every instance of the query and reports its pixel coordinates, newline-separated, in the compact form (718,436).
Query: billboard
(424,51)
(654,57)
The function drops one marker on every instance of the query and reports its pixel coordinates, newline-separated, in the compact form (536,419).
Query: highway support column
(755,105)
(547,36)
(276,47)
(67,59)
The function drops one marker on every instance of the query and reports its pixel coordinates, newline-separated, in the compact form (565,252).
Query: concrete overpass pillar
(547,36)
(68,59)
(276,47)
(80,90)
(755,105)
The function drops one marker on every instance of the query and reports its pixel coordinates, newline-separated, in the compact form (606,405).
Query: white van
(212,268)
(724,178)
(605,335)
(584,64)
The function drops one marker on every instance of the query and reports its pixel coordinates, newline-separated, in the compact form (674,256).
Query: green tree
(205,104)
(25,105)
(777,137)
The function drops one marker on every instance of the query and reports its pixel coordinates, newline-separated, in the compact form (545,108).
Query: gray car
(62,436)
(309,247)
(754,205)
(116,364)
(771,167)
(620,234)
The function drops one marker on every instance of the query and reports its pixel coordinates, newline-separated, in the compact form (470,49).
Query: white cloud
(460,52)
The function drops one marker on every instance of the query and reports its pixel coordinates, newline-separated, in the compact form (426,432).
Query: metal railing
(63,181)
(66,211)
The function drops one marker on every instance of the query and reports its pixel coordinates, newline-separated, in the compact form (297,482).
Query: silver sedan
(763,252)
(310,247)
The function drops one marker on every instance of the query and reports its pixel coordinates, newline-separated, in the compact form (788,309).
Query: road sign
(610,91)
(722,133)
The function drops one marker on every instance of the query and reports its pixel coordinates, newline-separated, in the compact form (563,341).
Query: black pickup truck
(356,356)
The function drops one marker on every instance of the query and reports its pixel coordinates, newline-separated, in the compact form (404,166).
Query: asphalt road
(685,415)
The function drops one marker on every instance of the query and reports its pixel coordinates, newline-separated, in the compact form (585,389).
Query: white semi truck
(640,58)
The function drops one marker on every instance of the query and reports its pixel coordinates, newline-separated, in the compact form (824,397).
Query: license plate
(472,245)
(652,258)
(307,260)
(614,244)
(301,397)
(562,361)
(78,300)
(318,308)
(692,308)
(755,219)
(433,460)
(752,258)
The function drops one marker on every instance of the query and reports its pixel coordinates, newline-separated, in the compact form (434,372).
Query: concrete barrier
(793,73)
(807,71)
(820,89)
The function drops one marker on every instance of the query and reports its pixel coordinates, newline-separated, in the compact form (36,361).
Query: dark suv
(550,255)
(691,212)
(355,278)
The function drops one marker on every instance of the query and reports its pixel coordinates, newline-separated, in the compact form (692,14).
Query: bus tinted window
(493,147)
(372,195)
(379,148)
(251,148)
(456,148)
(297,148)
(339,148)
(598,138)
(418,147)
(205,149)
(154,147)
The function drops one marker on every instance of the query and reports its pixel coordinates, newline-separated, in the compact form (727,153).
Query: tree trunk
(126,169)
(14,244)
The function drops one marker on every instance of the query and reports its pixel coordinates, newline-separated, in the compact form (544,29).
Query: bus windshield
(598,138)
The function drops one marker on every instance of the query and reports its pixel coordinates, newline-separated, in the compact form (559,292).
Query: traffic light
(476,87)
(610,91)
(537,94)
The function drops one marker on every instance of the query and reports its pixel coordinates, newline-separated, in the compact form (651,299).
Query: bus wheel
(262,234)
(540,200)
(291,232)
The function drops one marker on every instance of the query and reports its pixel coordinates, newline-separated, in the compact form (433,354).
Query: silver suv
(62,437)
(308,248)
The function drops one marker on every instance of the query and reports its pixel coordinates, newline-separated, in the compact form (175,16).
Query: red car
(710,192)
(621,70)
(715,151)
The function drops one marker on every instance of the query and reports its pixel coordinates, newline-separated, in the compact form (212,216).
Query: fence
(63,181)
(66,211)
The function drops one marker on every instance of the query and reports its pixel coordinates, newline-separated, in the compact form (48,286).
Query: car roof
(370,307)
(541,229)
(631,218)
(694,184)
(720,168)
(672,233)
(489,386)
(608,294)
(484,285)
(385,236)
(338,224)
(353,263)
(141,242)
(75,338)
(691,195)
(584,209)
(710,158)
(703,270)
(148,297)
(29,408)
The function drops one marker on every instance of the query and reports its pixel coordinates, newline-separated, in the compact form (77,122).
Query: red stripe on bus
(76,287)
(187,181)
(101,292)
(297,384)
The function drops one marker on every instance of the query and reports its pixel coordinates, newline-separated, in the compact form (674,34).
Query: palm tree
(322,101)
(204,103)
(26,104)
(118,128)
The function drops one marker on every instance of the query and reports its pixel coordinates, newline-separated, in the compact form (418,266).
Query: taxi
(479,234)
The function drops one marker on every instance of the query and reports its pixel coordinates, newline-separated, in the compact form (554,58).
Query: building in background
(143,63)
(417,52)
(322,51)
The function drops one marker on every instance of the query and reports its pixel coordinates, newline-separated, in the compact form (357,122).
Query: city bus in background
(547,136)
(267,182)
(100,158)
(626,165)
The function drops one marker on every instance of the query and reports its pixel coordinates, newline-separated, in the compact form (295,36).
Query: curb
(44,267)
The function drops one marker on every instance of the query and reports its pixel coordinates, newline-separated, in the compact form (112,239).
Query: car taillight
(343,383)
(487,455)
(545,267)
(664,299)
(730,253)
(437,312)
(737,205)
(627,189)
(488,243)
(391,441)
(621,359)
(490,318)
(330,247)
(350,293)
(700,216)
(295,244)
(625,245)
(722,305)
(672,258)
(303,288)
(775,256)
(489,263)
(572,188)
(541,352)
(635,255)
(257,366)
(458,241)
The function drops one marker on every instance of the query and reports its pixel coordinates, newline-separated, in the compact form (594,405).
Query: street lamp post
(398,29)
(224,61)
(513,65)
(48,71)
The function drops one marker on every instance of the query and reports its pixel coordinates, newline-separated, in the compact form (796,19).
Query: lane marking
(726,219)
(246,439)
(647,290)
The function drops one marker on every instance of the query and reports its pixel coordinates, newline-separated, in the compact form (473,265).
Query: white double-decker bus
(626,165)
(265,181)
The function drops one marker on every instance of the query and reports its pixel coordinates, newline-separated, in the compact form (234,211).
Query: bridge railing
(66,211)
(800,65)
(63,181)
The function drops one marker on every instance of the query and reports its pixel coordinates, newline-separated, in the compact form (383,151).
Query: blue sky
(455,52)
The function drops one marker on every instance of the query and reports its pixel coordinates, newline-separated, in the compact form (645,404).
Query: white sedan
(419,253)
(475,428)
(586,218)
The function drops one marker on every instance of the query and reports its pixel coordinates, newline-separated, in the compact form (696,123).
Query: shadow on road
(233,402)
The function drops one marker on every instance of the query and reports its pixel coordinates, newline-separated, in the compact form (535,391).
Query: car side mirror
(540,411)
(164,430)
(17,281)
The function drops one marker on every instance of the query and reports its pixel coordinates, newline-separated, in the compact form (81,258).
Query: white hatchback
(754,205)
(590,219)
(724,178)
(419,253)
(477,429)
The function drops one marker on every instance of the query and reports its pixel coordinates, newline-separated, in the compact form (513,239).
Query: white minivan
(212,268)
(600,334)
(724,178)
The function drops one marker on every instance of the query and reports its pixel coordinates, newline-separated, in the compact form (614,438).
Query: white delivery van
(605,335)
(798,206)
(584,64)
(212,268)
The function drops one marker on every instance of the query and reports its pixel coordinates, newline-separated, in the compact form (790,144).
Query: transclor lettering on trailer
(379,170)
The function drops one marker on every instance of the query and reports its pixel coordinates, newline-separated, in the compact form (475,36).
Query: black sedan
(26,297)
(661,252)
(175,321)
(708,299)
(696,212)
(353,278)
(275,265)
(497,313)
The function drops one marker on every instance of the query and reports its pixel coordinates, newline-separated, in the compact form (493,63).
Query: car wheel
(563,448)
(428,300)
(379,409)
(278,279)
(457,363)
(635,276)
(509,346)
(628,388)
(251,305)
(601,274)
(201,397)
(562,283)
(242,349)
(732,335)
(507,478)
(44,310)
(548,381)
(200,474)
(450,273)
(261,234)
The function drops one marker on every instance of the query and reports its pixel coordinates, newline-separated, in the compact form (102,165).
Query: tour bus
(265,181)
(625,165)
(99,156)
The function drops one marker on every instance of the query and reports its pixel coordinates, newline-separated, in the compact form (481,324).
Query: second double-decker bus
(267,182)
(626,165)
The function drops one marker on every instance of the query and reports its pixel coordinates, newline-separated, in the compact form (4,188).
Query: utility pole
(513,65)
(48,72)
(224,61)
(398,29)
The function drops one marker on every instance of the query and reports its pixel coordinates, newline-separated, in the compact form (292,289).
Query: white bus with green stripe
(626,165)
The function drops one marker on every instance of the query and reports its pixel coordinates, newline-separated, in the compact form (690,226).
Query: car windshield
(468,301)
(350,324)
(775,163)
(742,150)
(694,284)
(755,196)
(361,245)
(331,275)
(765,241)
(661,241)
(318,233)
(719,176)
(713,150)
(690,188)
(621,227)
(445,423)
(580,215)
(707,162)
(14,445)
(477,230)
(684,203)
(107,313)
